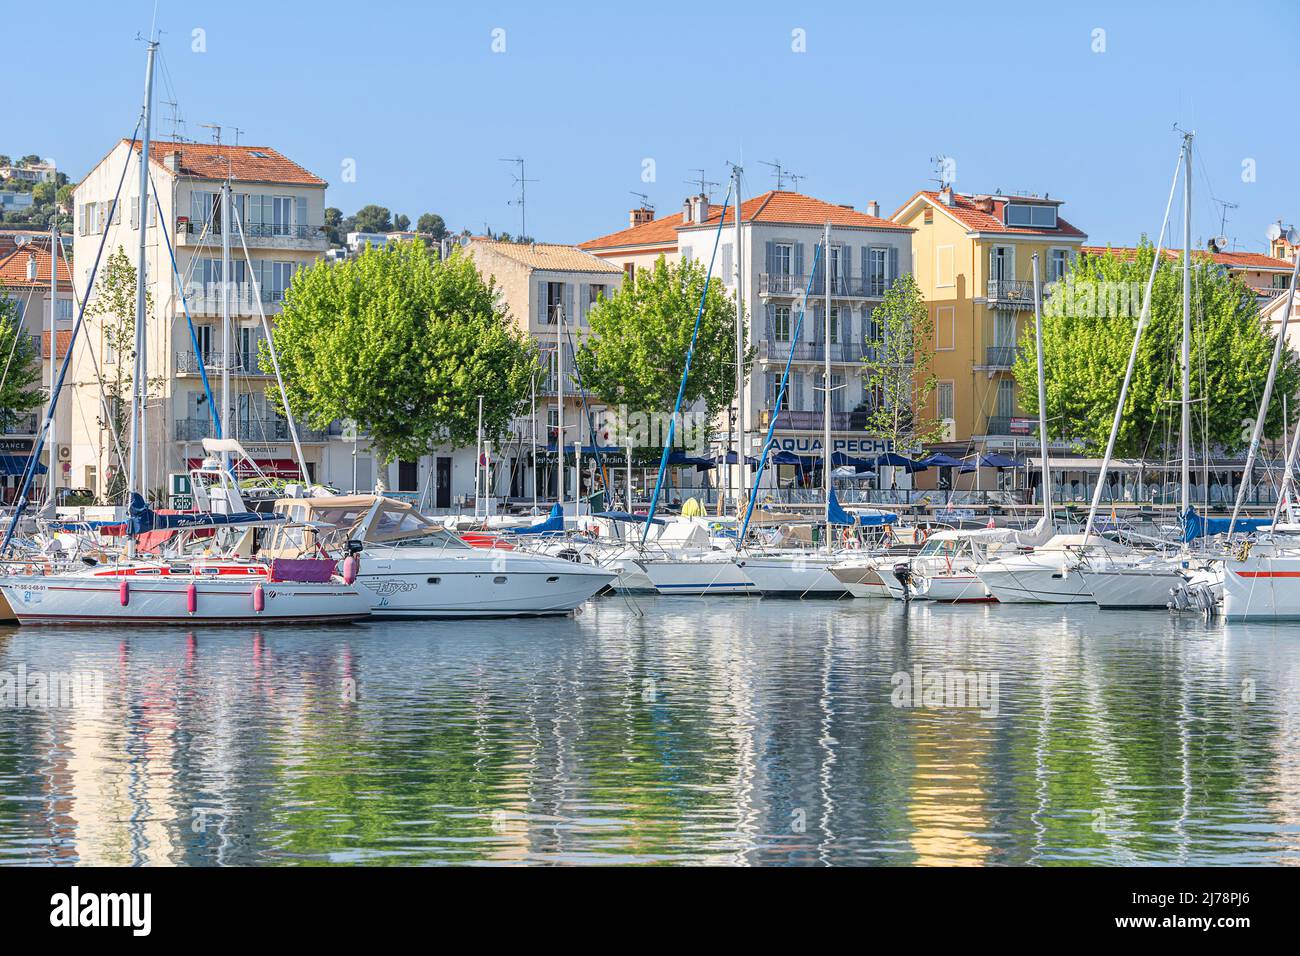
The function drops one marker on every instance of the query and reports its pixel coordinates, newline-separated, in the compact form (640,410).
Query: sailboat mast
(1042,397)
(227,343)
(742,482)
(134,479)
(829,273)
(1187,329)
(54,354)
(559,393)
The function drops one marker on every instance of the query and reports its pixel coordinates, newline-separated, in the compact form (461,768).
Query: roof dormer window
(1031,214)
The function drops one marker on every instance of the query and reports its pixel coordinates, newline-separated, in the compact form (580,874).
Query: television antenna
(522,181)
(645,200)
(942,164)
(780,173)
(706,186)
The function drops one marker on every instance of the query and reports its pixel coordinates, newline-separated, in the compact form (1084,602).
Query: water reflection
(668,730)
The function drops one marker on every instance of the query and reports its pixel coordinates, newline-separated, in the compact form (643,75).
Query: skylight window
(259,154)
(1027,214)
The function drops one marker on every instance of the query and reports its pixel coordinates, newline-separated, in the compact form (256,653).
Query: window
(727,275)
(873,331)
(1058,264)
(928,216)
(1002,263)
(943,266)
(837,393)
(782,258)
(781,324)
(944,400)
(1006,398)
(64,310)
(629,270)
(945,328)
(282,215)
(1034,215)
(1281,281)
(835,325)
(1004,329)
(687,254)
(877,270)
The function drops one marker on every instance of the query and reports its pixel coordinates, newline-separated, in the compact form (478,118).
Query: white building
(780,232)
(281,206)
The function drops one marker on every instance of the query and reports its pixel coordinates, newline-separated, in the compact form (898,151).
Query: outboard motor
(903,572)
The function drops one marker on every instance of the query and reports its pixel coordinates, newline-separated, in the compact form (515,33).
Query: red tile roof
(1233,260)
(251,164)
(62,339)
(771,207)
(13,267)
(966,211)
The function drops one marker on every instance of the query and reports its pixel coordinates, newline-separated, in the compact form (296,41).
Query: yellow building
(971,255)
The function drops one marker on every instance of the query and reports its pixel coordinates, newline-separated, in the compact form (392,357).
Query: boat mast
(559,393)
(227,339)
(1186,358)
(741,481)
(134,477)
(1042,398)
(54,352)
(826,384)
(533,420)
(478,459)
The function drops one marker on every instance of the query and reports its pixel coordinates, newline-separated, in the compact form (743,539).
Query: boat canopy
(867,519)
(625,516)
(372,519)
(1199,526)
(554,523)
(141,519)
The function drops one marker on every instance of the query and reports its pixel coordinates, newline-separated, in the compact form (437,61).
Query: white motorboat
(696,573)
(1047,575)
(1262,582)
(794,574)
(1143,583)
(411,566)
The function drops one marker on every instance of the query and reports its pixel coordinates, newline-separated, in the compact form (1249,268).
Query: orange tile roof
(62,340)
(797,209)
(209,161)
(1233,260)
(546,256)
(13,267)
(968,214)
(770,207)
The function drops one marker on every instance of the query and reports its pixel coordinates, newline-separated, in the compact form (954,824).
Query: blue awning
(17,465)
(940,460)
(895,460)
(554,523)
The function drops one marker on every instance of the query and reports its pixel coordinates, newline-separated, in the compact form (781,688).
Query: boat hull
(1262,588)
(90,599)
(1035,585)
(698,577)
(954,588)
(794,577)
(862,581)
(1133,588)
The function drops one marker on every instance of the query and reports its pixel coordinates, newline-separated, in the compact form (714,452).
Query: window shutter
(584,298)
(798,258)
(726,262)
(135,212)
(300,212)
(771,257)
(846,263)
(569,315)
(117,214)
(893,266)
(768,313)
(819,324)
(542,317)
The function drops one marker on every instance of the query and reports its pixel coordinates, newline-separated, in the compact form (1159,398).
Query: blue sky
(414,93)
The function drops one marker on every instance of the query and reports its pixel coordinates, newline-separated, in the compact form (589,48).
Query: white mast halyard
(54,354)
(134,477)
(1186,357)
(826,383)
(1046,464)
(742,480)
(227,339)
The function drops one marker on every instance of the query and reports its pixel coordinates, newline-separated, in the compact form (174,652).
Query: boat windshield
(434,538)
(944,548)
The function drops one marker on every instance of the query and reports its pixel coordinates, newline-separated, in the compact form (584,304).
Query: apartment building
(25,283)
(549,291)
(281,207)
(780,231)
(973,258)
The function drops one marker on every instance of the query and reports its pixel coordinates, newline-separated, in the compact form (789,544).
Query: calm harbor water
(665,730)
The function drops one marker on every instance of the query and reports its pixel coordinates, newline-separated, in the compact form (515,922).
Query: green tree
(334,225)
(44,192)
(373,219)
(898,376)
(401,222)
(113,303)
(431,224)
(636,349)
(1088,325)
(20,366)
(402,343)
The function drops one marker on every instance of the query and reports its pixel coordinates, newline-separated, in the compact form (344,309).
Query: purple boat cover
(303,570)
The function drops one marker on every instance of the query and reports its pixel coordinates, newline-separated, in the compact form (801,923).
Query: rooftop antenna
(645,200)
(216,132)
(706,185)
(942,168)
(780,173)
(177,123)
(237,132)
(522,181)
(1224,206)
(794,178)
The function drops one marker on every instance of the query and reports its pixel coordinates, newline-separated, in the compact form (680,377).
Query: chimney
(172,161)
(945,195)
(31,267)
(640,216)
(873,209)
(687,205)
(699,208)
(984,204)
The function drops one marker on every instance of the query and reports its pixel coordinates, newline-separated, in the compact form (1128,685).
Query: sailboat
(183,586)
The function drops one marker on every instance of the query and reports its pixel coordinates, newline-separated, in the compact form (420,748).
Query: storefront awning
(17,465)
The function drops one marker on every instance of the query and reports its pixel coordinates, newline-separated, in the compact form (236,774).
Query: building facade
(281,208)
(973,262)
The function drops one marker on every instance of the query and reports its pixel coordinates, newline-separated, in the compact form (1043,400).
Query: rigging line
(686,371)
(20,503)
(185,306)
(18,330)
(99,379)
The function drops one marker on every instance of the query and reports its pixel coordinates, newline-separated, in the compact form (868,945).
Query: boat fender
(350,568)
(124,593)
(259,599)
(192,598)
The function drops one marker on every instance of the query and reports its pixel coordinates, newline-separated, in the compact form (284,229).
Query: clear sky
(1018,94)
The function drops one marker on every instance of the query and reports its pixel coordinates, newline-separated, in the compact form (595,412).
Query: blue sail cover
(141,519)
(838,515)
(625,516)
(554,523)
(1196,526)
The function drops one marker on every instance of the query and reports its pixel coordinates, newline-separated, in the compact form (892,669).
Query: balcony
(249,430)
(999,356)
(22,425)
(243,300)
(843,287)
(257,235)
(242,363)
(1013,425)
(789,420)
(841,352)
(1011,293)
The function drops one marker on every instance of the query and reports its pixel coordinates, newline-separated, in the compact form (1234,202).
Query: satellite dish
(464,241)
(1292,237)
(1222,243)
(1274,231)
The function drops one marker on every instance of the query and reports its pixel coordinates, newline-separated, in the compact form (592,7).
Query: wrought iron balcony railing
(1016,293)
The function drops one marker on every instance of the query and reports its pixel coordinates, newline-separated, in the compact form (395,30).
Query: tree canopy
(1088,325)
(402,343)
(20,386)
(432,224)
(373,218)
(636,350)
(897,377)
